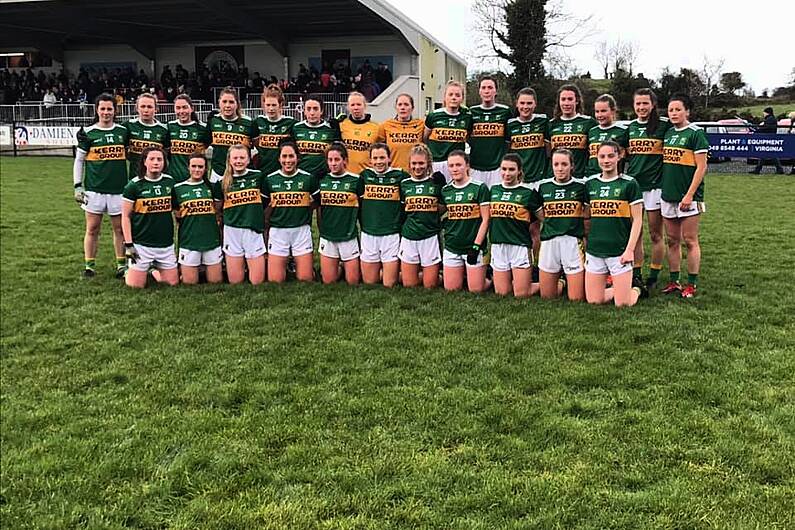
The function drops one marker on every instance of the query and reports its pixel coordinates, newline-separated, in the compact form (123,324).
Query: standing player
(357,132)
(144,131)
(487,133)
(313,136)
(447,128)
(340,194)
(272,129)
(563,199)
(292,194)
(147,223)
(227,128)
(419,236)
(381,218)
(466,227)
(240,189)
(528,136)
(684,166)
(511,207)
(616,210)
(569,128)
(604,110)
(101,149)
(196,205)
(646,135)
(187,135)
(402,132)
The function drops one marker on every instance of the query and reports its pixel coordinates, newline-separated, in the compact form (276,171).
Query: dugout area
(273,37)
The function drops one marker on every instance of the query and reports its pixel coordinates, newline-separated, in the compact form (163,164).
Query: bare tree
(709,74)
(602,54)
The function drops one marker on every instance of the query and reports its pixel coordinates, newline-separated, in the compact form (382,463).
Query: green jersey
(529,140)
(271,133)
(487,136)
(563,207)
(184,140)
(195,203)
(646,153)
(226,133)
(381,210)
(463,215)
(152,225)
(243,201)
(420,200)
(448,132)
(599,135)
(291,198)
(611,214)
(679,162)
(572,134)
(339,206)
(106,158)
(512,210)
(141,136)
(312,142)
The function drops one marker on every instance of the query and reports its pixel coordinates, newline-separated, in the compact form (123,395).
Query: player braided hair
(145,153)
(654,116)
(229,172)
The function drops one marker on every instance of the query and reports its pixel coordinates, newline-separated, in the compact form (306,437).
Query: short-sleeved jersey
(512,210)
(563,205)
(401,136)
(226,133)
(358,136)
(339,206)
(141,136)
(312,141)
(291,197)
(448,132)
(270,133)
(195,203)
(184,140)
(572,134)
(679,162)
(381,209)
(242,203)
(645,153)
(599,135)
(106,158)
(463,219)
(611,214)
(487,136)
(152,225)
(529,139)
(421,206)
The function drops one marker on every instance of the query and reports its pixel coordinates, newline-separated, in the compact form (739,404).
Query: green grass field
(303,406)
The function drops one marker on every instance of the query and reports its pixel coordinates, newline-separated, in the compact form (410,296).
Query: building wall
(436,69)
(105,54)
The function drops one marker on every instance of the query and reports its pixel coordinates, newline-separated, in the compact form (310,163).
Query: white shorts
(243,242)
(99,203)
(194,258)
(612,266)
(423,252)
(671,210)
(296,241)
(380,249)
(489,178)
(159,258)
(459,260)
(442,168)
(215,177)
(561,252)
(341,250)
(505,257)
(651,199)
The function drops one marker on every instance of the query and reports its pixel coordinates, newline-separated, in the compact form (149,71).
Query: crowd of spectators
(126,84)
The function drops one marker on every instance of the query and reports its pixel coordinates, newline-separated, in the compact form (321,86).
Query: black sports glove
(130,253)
(472,254)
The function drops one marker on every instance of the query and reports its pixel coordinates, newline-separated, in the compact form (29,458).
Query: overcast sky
(757,41)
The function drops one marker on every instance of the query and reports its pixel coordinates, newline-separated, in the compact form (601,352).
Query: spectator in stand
(49,99)
(383,76)
(769,125)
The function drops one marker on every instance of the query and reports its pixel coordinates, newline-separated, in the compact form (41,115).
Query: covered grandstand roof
(52,26)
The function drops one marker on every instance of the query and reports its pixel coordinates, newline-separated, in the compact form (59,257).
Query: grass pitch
(304,406)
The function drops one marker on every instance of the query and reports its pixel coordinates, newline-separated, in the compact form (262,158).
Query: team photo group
(478,198)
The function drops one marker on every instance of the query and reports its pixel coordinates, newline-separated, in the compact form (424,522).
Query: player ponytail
(515,159)
(422,150)
(186,98)
(229,173)
(199,155)
(654,116)
(565,152)
(232,92)
(611,144)
(272,91)
(461,153)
